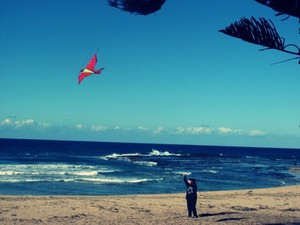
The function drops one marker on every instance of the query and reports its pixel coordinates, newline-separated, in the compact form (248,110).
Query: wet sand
(257,206)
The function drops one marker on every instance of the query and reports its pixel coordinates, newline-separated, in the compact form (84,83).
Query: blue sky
(169,77)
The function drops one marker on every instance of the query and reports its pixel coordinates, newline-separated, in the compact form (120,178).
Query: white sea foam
(166,153)
(83,173)
(49,172)
(9,173)
(23,180)
(183,173)
(117,180)
(251,157)
(10,181)
(132,157)
(146,163)
(120,156)
(210,171)
(127,156)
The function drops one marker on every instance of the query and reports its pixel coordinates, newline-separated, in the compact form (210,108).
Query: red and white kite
(89,69)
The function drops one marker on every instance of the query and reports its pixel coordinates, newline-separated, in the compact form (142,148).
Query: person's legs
(194,208)
(189,208)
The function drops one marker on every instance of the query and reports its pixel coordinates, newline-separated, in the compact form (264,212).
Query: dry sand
(258,206)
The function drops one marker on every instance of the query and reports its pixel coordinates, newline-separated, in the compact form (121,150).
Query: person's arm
(185,180)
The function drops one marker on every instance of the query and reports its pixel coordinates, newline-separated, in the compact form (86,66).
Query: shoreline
(279,205)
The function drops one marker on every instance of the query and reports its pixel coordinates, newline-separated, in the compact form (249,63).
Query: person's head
(191,181)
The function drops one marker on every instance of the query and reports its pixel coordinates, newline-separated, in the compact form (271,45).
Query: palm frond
(260,32)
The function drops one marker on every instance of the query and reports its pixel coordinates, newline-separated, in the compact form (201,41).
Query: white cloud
(12,123)
(18,124)
(225,130)
(97,128)
(6,122)
(228,131)
(256,133)
(158,130)
(144,129)
(45,125)
(79,126)
(193,130)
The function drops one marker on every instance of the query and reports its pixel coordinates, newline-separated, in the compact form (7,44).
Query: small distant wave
(146,163)
(9,173)
(183,173)
(282,182)
(210,171)
(251,157)
(21,180)
(83,173)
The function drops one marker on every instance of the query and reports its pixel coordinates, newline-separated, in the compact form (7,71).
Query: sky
(169,77)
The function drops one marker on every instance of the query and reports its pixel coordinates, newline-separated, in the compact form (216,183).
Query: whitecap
(146,163)
(116,156)
(210,171)
(183,173)
(8,173)
(117,180)
(83,173)
(158,153)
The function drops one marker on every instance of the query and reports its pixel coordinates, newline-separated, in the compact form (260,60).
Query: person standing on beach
(191,196)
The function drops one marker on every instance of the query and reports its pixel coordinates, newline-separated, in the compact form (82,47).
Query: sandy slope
(258,206)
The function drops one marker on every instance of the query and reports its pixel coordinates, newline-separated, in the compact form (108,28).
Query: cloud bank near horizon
(33,125)
(12,127)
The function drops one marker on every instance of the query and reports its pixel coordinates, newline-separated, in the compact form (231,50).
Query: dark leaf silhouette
(141,7)
(261,32)
(289,7)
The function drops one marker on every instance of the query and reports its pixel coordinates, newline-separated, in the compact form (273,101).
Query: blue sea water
(40,167)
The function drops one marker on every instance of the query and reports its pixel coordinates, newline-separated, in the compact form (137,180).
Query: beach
(254,206)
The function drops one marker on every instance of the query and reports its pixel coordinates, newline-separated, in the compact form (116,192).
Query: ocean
(43,167)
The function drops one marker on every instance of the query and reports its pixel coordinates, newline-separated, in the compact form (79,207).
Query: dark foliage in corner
(288,7)
(261,32)
(140,7)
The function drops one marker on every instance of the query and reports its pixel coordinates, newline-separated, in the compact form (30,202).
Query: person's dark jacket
(191,191)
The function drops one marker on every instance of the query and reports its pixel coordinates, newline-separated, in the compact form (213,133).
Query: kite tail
(98,71)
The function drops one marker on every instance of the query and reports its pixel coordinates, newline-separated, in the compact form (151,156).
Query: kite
(89,69)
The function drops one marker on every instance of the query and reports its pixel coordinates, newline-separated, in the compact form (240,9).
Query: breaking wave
(50,172)
(138,158)
(82,180)
(158,153)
